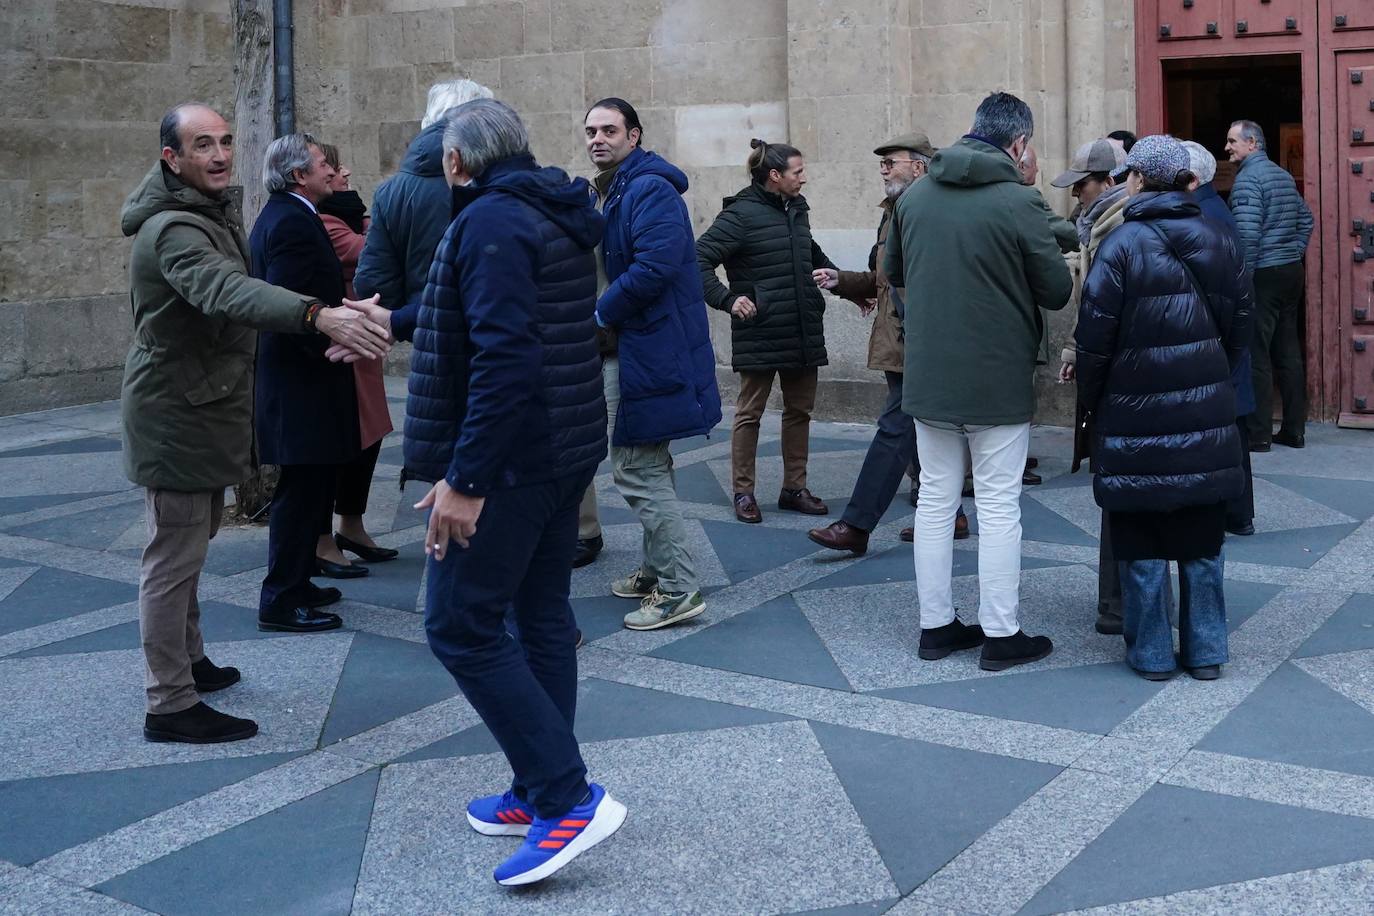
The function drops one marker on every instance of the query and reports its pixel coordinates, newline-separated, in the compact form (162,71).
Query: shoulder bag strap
(1192,277)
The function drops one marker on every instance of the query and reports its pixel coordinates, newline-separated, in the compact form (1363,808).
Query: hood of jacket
(758,194)
(972,162)
(425,155)
(1105,201)
(643,162)
(567,202)
(160,191)
(1150,205)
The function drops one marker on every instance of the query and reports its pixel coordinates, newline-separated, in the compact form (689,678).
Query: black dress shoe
(210,677)
(1108,624)
(198,725)
(1257,446)
(321,597)
(1156,675)
(339,570)
(1292,440)
(587,549)
(1003,652)
(1244,530)
(954,636)
(1206,672)
(365,553)
(298,620)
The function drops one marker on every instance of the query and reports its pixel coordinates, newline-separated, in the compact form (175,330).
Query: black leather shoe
(1108,624)
(210,677)
(339,570)
(365,553)
(587,549)
(1244,530)
(1156,675)
(321,597)
(1206,672)
(198,725)
(954,636)
(1292,440)
(1257,446)
(298,620)
(1003,652)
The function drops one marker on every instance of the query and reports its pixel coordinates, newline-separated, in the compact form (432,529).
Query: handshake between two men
(360,329)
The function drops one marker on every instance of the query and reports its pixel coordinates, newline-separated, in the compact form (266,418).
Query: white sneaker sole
(668,621)
(610,814)
(487,829)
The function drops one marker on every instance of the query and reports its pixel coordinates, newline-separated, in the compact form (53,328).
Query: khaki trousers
(180,526)
(588,520)
(798,400)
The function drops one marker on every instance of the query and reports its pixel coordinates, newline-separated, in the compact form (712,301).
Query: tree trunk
(253,131)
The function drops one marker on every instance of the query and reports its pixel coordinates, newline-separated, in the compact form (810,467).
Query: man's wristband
(312,312)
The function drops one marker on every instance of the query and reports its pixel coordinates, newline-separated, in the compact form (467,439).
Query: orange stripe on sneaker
(502,817)
(522,816)
(573,823)
(551,844)
(563,834)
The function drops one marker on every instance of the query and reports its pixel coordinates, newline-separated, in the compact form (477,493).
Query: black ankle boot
(1003,652)
(938,642)
(198,725)
(211,677)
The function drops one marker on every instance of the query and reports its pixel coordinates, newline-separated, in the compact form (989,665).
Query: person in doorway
(1165,319)
(1274,225)
(657,365)
(904,161)
(777,328)
(345,219)
(506,415)
(974,240)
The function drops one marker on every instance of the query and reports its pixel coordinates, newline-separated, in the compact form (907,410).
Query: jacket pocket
(177,509)
(651,360)
(206,388)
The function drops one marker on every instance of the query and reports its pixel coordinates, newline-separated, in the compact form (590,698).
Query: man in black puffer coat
(1165,317)
(506,413)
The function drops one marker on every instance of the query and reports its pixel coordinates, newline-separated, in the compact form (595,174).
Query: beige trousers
(798,400)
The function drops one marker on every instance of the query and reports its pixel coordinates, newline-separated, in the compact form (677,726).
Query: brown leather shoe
(841,536)
(960,530)
(801,501)
(747,508)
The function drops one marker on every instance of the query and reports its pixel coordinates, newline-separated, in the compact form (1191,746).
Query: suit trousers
(354,484)
(520,558)
(798,400)
(588,519)
(301,508)
(180,526)
(1276,351)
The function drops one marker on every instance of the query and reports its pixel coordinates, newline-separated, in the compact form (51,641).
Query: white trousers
(999,460)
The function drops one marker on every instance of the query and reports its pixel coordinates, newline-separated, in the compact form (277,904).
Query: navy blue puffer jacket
(505,379)
(656,305)
(1154,359)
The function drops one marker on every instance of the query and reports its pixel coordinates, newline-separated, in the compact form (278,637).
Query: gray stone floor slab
(421,856)
(52,594)
(219,622)
(1350,628)
(1298,548)
(383,679)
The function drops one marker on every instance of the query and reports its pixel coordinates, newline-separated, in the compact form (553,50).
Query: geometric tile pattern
(784,753)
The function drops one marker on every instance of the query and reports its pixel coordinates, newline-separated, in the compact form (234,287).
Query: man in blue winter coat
(659,368)
(506,415)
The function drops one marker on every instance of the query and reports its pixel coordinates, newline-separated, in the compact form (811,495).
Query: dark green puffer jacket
(768,253)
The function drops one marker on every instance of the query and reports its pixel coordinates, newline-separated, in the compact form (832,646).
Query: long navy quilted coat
(505,379)
(1154,359)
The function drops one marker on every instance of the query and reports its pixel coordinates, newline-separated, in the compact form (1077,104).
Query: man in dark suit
(306,405)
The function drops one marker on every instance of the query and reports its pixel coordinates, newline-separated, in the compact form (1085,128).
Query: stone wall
(82,87)
(833,77)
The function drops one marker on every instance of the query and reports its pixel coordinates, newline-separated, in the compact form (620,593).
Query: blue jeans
(1201,614)
(525,690)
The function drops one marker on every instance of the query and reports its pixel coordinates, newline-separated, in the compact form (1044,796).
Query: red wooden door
(1254,18)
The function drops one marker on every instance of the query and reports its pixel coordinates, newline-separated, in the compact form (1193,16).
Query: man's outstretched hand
(359,329)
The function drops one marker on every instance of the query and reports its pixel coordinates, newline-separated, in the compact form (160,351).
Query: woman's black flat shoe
(367,554)
(340,570)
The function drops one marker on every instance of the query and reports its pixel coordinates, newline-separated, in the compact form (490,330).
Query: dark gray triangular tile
(44,816)
(1355,498)
(302,858)
(1349,629)
(394,584)
(1040,523)
(696,484)
(95,529)
(1088,698)
(11,505)
(384,679)
(773,640)
(88,446)
(678,446)
(1294,718)
(896,564)
(607,710)
(1298,548)
(1176,839)
(1243,599)
(924,803)
(746,551)
(54,594)
(218,623)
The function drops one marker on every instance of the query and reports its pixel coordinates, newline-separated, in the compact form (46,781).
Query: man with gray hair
(410,211)
(979,260)
(506,416)
(187,399)
(1274,225)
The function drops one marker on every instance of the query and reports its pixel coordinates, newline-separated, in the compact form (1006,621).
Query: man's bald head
(198,147)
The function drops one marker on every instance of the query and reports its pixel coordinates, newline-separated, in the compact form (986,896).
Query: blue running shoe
(500,815)
(554,842)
